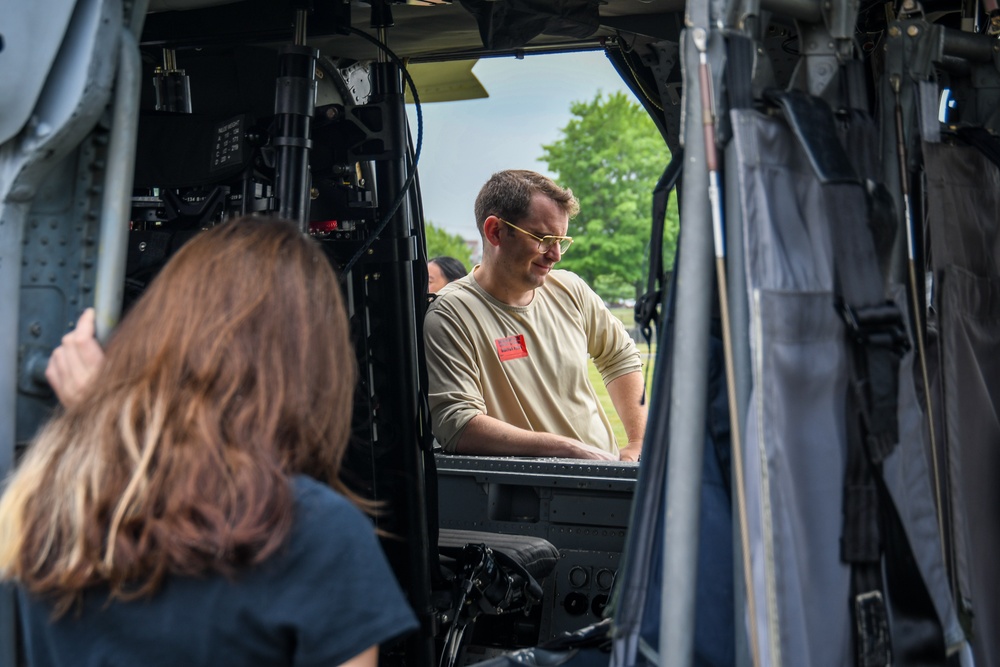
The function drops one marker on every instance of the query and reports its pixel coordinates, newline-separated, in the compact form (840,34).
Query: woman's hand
(75,362)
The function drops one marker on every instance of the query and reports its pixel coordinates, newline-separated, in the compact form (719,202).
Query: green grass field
(626,316)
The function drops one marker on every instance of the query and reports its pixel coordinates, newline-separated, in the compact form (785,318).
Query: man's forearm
(486,436)
(626,395)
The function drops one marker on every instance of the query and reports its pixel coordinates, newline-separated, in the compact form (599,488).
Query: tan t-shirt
(524,365)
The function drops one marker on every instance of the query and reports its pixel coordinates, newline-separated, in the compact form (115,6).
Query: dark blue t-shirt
(322,599)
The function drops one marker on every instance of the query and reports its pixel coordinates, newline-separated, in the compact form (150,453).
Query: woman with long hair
(186,509)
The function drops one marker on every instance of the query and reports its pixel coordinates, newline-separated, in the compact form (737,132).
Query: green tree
(611,155)
(440,242)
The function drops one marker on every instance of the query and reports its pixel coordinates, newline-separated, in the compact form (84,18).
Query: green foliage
(611,155)
(611,287)
(440,242)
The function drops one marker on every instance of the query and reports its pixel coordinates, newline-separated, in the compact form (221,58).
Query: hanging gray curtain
(795,442)
(963,226)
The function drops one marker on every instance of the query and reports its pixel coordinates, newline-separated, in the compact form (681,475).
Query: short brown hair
(232,372)
(508,194)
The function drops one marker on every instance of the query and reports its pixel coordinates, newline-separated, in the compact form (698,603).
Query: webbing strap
(647,304)
(740,53)
(879,341)
(861,544)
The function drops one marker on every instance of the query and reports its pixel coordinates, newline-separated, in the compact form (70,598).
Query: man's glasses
(545,243)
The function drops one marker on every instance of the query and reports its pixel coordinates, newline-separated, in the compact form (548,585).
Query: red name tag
(511,347)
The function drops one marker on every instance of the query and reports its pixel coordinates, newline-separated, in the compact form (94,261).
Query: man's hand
(578,450)
(632,450)
(75,362)
(487,436)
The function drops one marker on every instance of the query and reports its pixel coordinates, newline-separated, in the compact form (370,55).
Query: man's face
(517,258)
(435,278)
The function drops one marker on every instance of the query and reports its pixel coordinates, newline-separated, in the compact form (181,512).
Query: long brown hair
(232,372)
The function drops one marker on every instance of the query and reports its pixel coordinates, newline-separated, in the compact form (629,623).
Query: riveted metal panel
(58,263)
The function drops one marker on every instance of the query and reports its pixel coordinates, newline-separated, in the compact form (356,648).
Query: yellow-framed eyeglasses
(545,243)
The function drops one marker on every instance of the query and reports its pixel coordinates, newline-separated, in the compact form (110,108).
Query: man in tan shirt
(508,345)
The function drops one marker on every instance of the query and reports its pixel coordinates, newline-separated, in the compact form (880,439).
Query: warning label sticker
(511,347)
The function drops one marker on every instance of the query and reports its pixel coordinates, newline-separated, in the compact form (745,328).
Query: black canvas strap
(740,54)
(647,305)
(878,341)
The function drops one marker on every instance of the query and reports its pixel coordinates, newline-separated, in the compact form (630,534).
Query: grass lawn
(626,316)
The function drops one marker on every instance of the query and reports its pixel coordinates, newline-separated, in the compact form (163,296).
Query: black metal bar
(404,468)
(971,46)
(295,98)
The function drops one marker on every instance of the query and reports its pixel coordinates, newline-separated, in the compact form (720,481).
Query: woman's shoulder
(313,497)
(324,517)
(310,491)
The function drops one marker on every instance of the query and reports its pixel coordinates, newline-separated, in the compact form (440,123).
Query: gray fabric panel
(963,195)
(759,527)
(756,484)
(795,441)
(798,431)
(909,480)
(787,245)
(963,209)
(970,312)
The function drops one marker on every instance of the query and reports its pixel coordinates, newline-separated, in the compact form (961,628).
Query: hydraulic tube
(295,100)
(739,317)
(172,85)
(708,115)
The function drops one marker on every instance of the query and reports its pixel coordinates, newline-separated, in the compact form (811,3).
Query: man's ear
(491,230)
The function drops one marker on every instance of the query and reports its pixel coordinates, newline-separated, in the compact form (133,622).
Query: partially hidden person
(442,270)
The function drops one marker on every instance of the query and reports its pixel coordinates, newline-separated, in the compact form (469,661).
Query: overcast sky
(466,141)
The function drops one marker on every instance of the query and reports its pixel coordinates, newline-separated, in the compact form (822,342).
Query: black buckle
(880,325)
(872,630)
(645,311)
